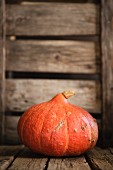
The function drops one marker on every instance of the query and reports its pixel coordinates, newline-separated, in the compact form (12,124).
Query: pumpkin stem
(68,94)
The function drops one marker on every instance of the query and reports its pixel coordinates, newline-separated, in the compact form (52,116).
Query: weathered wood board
(29,160)
(53,19)
(20,157)
(53,56)
(11,134)
(8,154)
(22,93)
(73,163)
(100,159)
(2,69)
(107,71)
(1,62)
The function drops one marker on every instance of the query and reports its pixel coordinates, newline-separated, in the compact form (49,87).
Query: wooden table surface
(21,158)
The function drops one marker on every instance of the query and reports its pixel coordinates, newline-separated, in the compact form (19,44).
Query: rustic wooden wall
(51,47)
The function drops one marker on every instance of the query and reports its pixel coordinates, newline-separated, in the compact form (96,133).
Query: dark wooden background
(50,46)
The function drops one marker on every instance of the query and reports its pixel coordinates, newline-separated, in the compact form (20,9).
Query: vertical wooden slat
(2,68)
(107,71)
(1,62)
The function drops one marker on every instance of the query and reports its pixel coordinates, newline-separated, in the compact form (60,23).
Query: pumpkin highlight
(58,128)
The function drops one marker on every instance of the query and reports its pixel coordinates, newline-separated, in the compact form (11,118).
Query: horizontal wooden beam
(53,56)
(53,19)
(22,93)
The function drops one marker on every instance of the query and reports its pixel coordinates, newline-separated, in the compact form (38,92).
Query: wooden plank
(109,155)
(2,69)
(11,135)
(73,163)
(53,19)
(21,94)
(107,73)
(100,159)
(1,60)
(53,56)
(1,17)
(8,154)
(99,122)
(29,160)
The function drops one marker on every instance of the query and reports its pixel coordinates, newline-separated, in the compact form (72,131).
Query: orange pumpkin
(58,128)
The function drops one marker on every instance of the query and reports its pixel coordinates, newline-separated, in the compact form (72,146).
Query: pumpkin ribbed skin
(58,128)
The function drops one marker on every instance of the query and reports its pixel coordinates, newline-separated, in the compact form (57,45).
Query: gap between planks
(53,1)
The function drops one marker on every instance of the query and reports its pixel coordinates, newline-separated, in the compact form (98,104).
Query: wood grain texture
(19,157)
(107,72)
(53,19)
(1,18)
(73,163)
(100,159)
(8,154)
(1,60)
(11,135)
(53,56)
(29,160)
(2,69)
(21,94)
